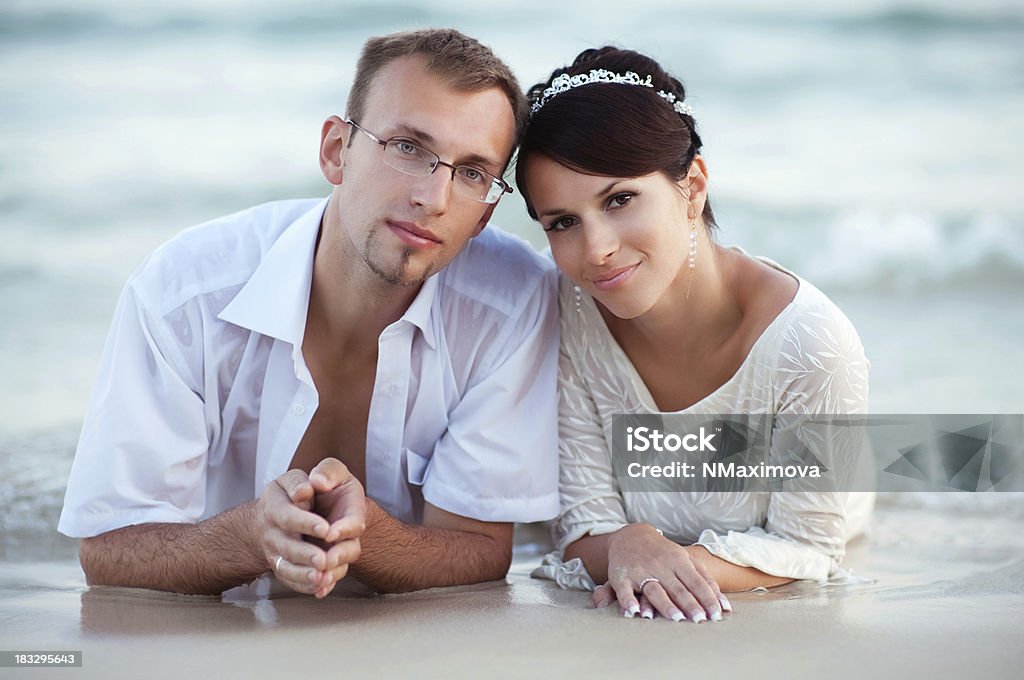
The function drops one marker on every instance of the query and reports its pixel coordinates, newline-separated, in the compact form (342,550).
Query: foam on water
(907,252)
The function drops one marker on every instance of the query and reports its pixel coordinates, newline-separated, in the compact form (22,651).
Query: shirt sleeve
(496,461)
(141,456)
(590,500)
(821,370)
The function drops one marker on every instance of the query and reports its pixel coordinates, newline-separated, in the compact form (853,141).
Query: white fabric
(203,395)
(808,361)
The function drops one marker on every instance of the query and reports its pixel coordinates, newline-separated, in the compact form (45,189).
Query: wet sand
(945,602)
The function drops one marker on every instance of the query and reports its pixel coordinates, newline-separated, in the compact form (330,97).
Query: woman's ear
(695,187)
(334,135)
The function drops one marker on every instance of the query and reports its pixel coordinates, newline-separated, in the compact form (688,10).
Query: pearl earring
(693,255)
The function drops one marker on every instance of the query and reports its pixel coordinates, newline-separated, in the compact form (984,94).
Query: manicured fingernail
(716,615)
(647,614)
(700,617)
(317,477)
(627,614)
(601,603)
(677,616)
(725,602)
(634,609)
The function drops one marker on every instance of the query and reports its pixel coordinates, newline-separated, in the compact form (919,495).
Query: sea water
(872,147)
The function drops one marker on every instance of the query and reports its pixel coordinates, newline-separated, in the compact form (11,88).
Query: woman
(658,317)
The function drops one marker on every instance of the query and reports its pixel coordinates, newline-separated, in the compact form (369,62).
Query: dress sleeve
(590,499)
(821,370)
(141,456)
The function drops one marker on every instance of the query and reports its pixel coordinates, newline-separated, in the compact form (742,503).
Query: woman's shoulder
(816,322)
(818,355)
(811,317)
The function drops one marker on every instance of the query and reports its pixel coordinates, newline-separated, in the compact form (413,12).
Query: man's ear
(485,219)
(334,136)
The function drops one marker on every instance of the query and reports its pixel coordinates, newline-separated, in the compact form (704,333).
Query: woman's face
(623,240)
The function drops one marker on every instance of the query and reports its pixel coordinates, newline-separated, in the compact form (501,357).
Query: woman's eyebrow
(600,194)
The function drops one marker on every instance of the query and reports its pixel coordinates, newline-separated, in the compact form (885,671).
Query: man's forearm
(398,557)
(204,559)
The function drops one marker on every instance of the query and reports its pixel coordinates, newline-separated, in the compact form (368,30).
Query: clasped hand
(308,526)
(675,583)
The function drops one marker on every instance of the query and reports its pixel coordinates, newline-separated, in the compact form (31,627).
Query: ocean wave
(33,474)
(928,19)
(1007,505)
(64,22)
(63,19)
(914,253)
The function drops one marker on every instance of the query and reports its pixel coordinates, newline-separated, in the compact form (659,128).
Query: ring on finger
(277,562)
(649,579)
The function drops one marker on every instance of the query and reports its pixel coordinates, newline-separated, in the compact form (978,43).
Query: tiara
(565,82)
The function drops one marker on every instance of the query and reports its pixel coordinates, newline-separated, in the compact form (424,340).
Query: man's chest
(270,418)
(338,428)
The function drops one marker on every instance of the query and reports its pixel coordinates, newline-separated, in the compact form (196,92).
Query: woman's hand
(675,582)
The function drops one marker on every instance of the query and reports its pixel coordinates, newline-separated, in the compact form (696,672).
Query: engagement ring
(649,579)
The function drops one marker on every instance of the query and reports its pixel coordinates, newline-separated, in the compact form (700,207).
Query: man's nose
(433,191)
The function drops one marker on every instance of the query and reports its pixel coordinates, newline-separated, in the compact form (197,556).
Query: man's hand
(313,524)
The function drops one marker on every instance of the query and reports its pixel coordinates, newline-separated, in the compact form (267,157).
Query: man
(367,340)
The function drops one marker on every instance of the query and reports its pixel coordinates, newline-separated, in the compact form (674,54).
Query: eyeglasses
(412,159)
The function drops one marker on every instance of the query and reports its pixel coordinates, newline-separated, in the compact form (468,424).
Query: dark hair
(463,62)
(612,129)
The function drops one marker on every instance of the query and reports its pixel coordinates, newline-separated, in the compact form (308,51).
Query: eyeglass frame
(506,188)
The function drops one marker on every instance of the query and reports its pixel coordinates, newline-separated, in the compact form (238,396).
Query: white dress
(808,361)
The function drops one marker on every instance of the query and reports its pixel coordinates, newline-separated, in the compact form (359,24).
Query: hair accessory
(680,107)
(565,82)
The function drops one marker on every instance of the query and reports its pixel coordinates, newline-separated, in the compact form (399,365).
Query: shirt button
(298,409)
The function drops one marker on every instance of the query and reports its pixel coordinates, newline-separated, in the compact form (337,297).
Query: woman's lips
(412,235)
(614,278)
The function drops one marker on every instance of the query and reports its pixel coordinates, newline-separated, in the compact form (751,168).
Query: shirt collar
(418,312)
(275,300)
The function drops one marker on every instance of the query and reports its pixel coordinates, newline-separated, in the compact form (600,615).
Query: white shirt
(808,361)
(203,395)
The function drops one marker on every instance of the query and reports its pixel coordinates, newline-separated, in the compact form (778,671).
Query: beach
(874,148)
(936,592)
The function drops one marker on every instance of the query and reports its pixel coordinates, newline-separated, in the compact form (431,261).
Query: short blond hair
(464,63)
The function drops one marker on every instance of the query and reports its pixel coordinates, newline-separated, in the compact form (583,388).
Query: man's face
(407,228)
